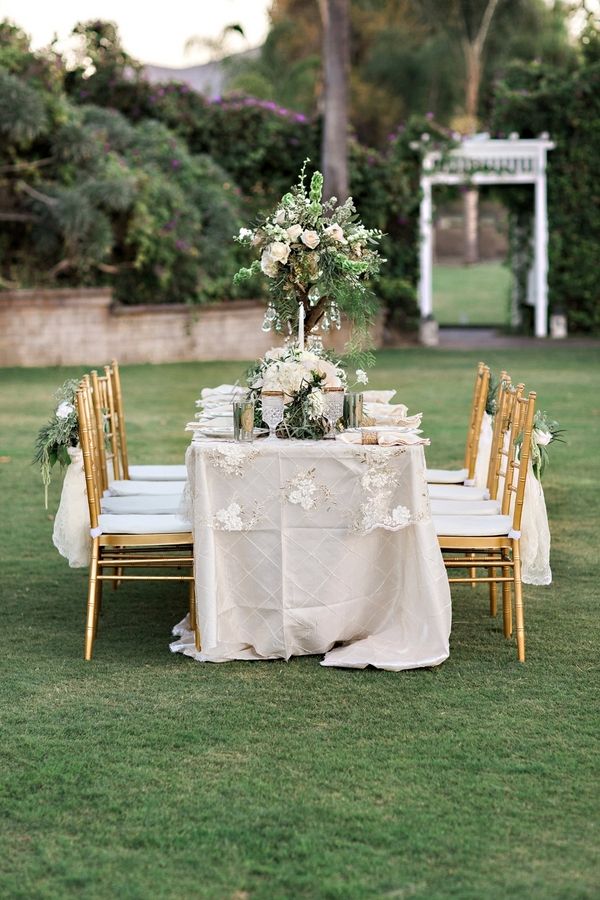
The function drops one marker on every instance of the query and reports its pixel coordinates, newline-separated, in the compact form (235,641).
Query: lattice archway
(480,161)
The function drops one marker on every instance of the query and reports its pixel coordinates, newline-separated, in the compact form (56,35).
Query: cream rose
(268,265)
(294,232)
(310,239)
(336,233)
(279,251)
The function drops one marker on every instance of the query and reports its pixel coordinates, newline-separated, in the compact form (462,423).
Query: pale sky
(151,32)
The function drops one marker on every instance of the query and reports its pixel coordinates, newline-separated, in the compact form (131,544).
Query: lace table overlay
(282,569)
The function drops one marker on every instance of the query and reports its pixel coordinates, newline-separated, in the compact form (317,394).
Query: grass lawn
(471,295)
(146,775)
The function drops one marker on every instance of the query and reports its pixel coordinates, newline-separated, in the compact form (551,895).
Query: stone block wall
(84,327)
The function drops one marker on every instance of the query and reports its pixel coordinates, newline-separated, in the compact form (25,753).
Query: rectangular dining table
(315,547)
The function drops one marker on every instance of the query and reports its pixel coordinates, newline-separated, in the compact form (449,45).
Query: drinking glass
(353,409)
(334,407)
(243,420)
(272,410)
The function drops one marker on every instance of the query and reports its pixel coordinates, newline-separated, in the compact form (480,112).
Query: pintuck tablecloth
(315,547)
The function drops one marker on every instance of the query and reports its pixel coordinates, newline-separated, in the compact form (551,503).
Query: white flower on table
(245,234)
(64,410)
(361,377)
(315,404)
(294,232)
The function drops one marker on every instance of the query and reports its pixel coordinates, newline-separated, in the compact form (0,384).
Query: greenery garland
(60,433)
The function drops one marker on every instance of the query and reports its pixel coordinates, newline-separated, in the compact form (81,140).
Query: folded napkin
(220,393)
(385,438)
(390,414)
(377,396)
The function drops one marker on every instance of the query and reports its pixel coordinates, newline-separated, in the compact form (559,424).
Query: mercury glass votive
(353,409)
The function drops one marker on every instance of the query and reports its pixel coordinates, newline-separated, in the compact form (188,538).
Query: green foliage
(532,99)
(22,110)
(58,434)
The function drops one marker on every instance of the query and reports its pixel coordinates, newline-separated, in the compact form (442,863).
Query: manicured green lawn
(471,295)
(146,775)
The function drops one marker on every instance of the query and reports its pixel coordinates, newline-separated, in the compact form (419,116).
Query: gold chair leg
(194,623)
(506,604)
(493,593)
(118,572)
(473,573)
(519,616)
(192,604)
(90,626)
(98,610)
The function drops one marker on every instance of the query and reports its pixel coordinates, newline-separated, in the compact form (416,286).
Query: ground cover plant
(144,774)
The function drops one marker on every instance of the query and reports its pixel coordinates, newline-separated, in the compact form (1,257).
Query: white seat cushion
(446,476)
(144,504)
(457,492)
(466,507)
(472,526)
(135,488)
(143,524)
(157,473)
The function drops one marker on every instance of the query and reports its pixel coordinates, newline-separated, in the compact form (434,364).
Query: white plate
(206,432)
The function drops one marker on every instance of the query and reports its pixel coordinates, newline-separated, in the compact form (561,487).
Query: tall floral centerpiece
(318,257)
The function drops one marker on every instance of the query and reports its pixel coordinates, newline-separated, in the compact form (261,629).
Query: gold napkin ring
(369,437)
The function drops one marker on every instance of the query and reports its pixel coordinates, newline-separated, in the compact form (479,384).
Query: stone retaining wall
(81,327)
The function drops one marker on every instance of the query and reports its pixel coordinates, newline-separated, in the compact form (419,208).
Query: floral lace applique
(306,491)
(232,458)
(376,509)
(235,517)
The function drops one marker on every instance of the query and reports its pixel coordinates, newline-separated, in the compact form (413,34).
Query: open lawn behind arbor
(144,774)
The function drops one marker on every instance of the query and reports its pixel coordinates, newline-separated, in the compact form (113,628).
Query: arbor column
(426,250)
(541,255)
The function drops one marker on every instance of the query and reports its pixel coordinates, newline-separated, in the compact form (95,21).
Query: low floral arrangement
(302,376)
(61,432)
(318,257)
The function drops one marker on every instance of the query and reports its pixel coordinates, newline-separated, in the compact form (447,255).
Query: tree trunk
(336,65)
(471,196)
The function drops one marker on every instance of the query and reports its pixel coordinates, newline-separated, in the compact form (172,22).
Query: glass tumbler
(353,409)
(243,420)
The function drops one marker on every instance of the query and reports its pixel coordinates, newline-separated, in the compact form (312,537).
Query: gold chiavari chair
(171,472)
(144,497)
(127,543)
(493,542)
(460,476)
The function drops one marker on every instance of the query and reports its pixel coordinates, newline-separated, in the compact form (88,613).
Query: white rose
(336,233)
(64,410)
(362,377)
(315,404)
(294,232)
(279,251)
(268,265)
(542,438)
(310,239)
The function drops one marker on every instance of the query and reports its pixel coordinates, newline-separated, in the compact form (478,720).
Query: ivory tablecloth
(301,546)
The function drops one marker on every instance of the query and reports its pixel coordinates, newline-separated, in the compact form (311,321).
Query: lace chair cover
(535,534)
(71,534)
(483,452)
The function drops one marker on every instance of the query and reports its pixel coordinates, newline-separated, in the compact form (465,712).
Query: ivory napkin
(377,396)
(391,414)
(385,438)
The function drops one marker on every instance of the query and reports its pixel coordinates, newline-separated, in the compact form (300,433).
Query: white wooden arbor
(483,160)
